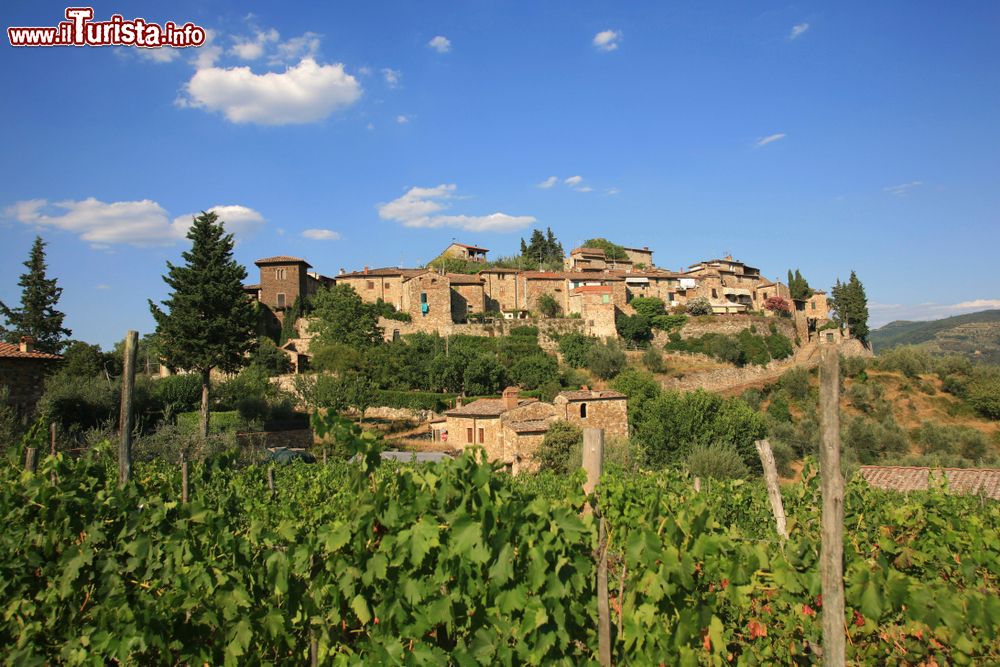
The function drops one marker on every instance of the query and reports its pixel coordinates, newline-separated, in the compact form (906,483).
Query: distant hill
(976,335)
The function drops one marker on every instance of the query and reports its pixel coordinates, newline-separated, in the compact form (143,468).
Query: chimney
(342,272)
(645,247)
(584,388)
(510,398)
(27,344)
(458,401)
(366,270)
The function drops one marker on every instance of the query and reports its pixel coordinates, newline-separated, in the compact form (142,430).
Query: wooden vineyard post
(697,484)
(52,448)
(31,459)
(593,464)
(313,650)
(184,478)
(773,490)
(125,423)
(270,479)
(832,485)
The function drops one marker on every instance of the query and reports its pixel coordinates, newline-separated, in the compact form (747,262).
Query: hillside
(976,335)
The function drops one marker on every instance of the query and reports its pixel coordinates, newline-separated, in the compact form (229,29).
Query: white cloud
(296,48)
(138,223)
(304,93)
(208,53)
(612,191)
(252,48)
(163,54)
(548,182)
(321,235)
(883,313)
(422,208)
(903,188)
(584,188)
(402,120)
(102,286)
(573,181)
(441,44)
(798,30)
(769,139)
(607,40)
(371,126)
(391,76)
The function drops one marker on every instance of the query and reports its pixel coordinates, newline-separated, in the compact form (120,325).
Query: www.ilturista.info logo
(80,30)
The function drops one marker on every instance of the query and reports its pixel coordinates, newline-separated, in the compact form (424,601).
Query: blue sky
(858,136)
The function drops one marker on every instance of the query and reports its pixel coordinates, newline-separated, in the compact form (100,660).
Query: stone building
(595,259)
(427,299)
(596,306)
(23,371)
(500,290)
(468,253)
(283,279)
(640,256)
(385,284)
(512,428)
(467,296)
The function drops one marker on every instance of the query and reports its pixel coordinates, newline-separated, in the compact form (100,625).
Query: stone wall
(608,414)
(485,433)
(436,290)
(25,380)
(733,324)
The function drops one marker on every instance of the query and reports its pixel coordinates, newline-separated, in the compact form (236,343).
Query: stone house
(596,306)
(500,290)
(385,284)
(595,259)
(643,256)
(468,253)
(467,296)
(22,371)
(810,315)
(427,299)
(282,280)
(512,428)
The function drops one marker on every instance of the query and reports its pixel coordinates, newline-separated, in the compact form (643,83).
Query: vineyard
(461,563)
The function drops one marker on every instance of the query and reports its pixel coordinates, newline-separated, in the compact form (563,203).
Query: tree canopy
(798,286)
(340,316)
(611,250)
(37,316)
(851,306)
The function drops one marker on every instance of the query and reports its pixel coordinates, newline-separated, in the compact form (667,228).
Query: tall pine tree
(209,322)
(37,317)
(798,286)
(851,305)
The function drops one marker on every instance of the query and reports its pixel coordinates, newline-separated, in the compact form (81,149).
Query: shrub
(870,440)
(228,421)
(796,383)
(414,400)
(778,346)
(634,329)
(753,398)
(699,306)
(10,423)
(653,360)
(79,403)
(852,367)
(783,457)
(910,360)
(716,462)
(754,348)
(778,408)
(269,357)
(983,393)
(534,370)
(548,306)
(778,305)
(558,446)
(606,360)
(180,392)
(484,375)
(955,385)
(575,348)
(951,440)
(525,331)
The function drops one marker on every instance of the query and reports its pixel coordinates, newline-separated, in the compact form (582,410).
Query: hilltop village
(591,287)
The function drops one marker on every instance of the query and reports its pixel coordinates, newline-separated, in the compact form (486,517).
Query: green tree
(208,322)
(83,360)
(851,306)
(575,347)
(288,330)
(606,360)
(340,316)
(37,316)
(635,329)
(699,306)
(798,286)
(611,250)
(561,441)
(548,306)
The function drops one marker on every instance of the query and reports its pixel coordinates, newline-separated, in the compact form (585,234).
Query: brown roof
(282,259)
(11,351)
(975,481)
(638,249)
(766,283)
(471,247)
(254,286)
(587,251)
(385,272)
(529,426)
(590,395)
(485,407)
(464,279)
(498,269)
(571,275)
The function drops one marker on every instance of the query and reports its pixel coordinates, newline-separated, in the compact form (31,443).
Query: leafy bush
(699,306)
(269,357)
(869,440)
(484,375)
(575,348)
(180,392)
(634,329)
(652,359)
(414,400)
(228,421)
(852,367)
(778,408)
(755,350)
(606,360)
(556,453)
(548,306)
(983,393)
(524,331)
(962,441)
(779,346)
(795,382)
(716,462)
(534,370)
(910,360)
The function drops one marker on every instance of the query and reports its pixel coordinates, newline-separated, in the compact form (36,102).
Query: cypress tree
(208,322)
(37,317)
(851,305)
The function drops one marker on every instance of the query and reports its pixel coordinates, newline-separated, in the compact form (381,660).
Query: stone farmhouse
(511,428)
(22,371)
(591,287)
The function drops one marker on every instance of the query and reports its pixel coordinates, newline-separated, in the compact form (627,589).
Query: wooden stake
(52,449)
(184,478)
(593,463)
(125,422)
(697,484)
(270,479)
(773,490)
(324,456)
(832,485)
(31,459)
(313,651)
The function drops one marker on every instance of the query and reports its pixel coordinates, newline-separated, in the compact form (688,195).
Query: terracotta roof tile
(485,407)
(11,351)
(471,247)
(385,272)
(464,279)
(974,481)
(592,289)
(590,395)
(530,426)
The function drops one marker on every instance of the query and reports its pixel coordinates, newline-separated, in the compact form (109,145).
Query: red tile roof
(471,247)
(592,289)
(282,259)
(498,269)
(571,275)
(587,251)
(974,481)
(11,351)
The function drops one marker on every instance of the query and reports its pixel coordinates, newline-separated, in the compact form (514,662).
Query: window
(813,304)
(423,297)
(583,411)
(371,284)
(605,298)
(468,434)
(715,295)
(281,299)
(279,274)
(481,434)
(829,337)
